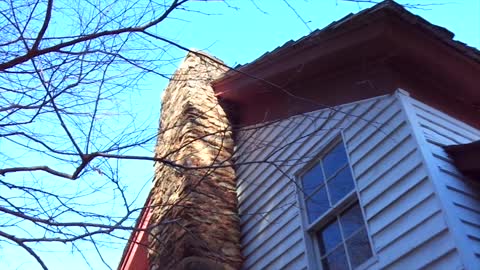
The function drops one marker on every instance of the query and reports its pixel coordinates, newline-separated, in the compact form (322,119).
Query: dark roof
(363,17)
(466,158)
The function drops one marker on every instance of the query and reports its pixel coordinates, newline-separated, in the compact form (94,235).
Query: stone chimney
(194,223)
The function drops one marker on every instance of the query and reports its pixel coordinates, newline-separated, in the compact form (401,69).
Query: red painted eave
(385,39)
(135,256)
(313,55)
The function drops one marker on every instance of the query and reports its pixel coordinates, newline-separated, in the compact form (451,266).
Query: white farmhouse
(355,147)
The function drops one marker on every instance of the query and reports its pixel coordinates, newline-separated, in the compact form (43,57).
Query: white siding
(460,197)
(403,214)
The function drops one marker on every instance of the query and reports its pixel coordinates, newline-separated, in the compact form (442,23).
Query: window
(335,221)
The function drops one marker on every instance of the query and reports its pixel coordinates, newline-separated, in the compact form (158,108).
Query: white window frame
(310,228)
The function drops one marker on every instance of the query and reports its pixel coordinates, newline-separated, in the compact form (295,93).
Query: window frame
(351,198)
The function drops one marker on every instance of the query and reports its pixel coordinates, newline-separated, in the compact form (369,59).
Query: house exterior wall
(404,214)
(460,197)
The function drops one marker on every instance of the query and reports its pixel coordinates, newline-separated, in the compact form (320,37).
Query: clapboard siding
(420,255)
(385,235)
(266,194)
(402,211)
(460,196)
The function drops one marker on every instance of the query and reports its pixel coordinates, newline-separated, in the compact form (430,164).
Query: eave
(327,67)
(135,255)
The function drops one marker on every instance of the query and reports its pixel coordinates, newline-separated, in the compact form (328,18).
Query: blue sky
(237,33)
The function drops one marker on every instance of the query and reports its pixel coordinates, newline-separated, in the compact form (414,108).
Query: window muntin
(321,194)
(344,237)
(334,160)
(340,234)
(312,180)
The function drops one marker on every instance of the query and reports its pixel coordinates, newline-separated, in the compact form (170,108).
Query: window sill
(368,263)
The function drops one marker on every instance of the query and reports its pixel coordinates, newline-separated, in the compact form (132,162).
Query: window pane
(312,179)
(337,260)
(329,237)
(340,185)
(317,204)
(334,160)
(351,220)
(359,248)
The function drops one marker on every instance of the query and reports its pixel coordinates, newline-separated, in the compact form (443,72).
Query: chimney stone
(195,222)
